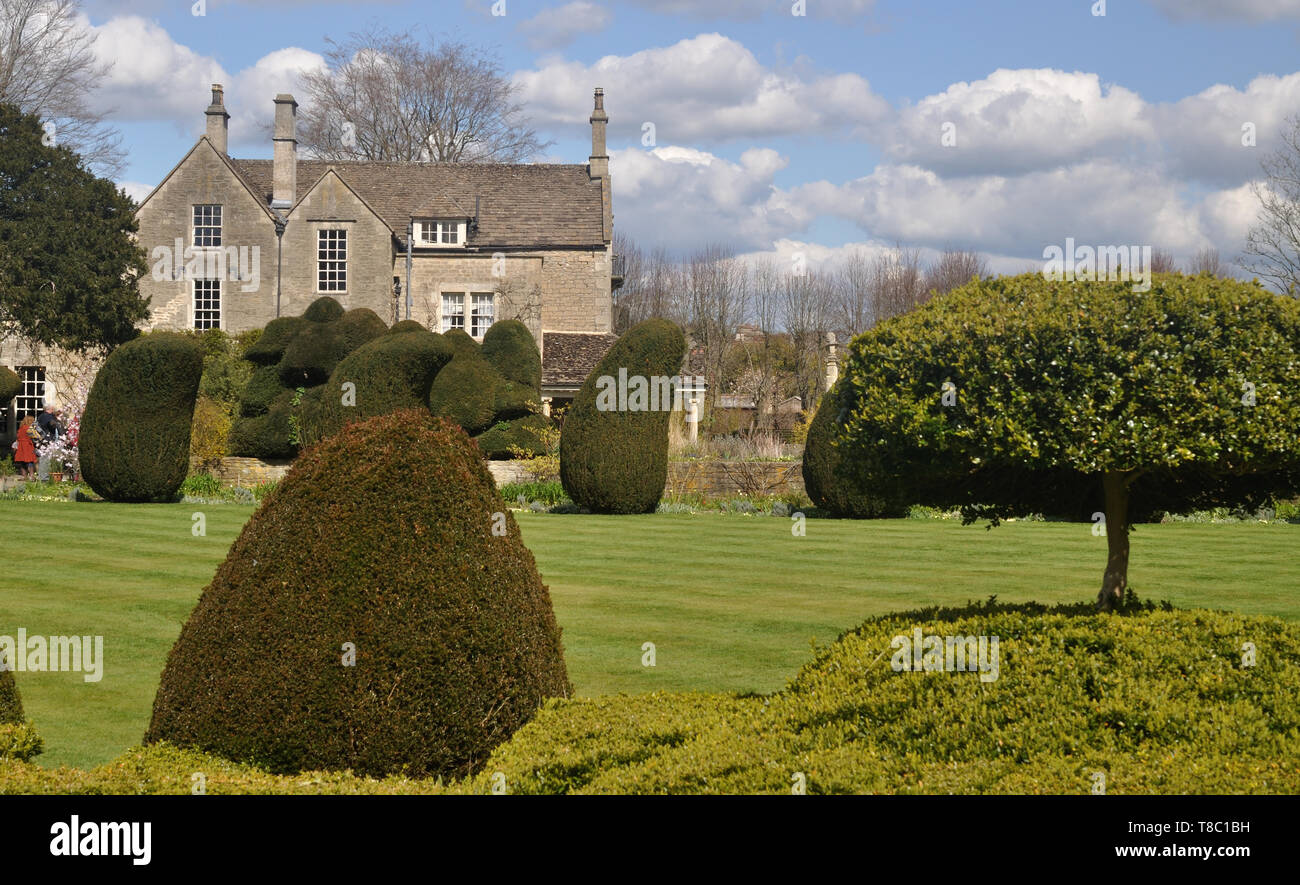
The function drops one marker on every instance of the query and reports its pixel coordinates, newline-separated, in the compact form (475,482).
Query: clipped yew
(849,488)
(135,431)
(378,613)
(614,455)
(509,347)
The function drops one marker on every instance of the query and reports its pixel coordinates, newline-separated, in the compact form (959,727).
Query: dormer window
(440,233)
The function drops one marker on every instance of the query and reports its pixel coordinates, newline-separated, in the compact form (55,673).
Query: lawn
(731,602)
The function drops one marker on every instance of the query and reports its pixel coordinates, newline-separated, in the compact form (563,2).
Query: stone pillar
(693,419)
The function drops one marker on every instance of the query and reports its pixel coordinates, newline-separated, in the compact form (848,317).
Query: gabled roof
(230,164)
(519,205)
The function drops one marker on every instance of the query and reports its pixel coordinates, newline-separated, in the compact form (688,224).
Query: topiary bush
(265,436)
(406,326)
(509,347)
(11,703)
(10,385)
(389,374)
(614,461)
(263,387)
(843,487)
(500,440)
(379,543)
(135,431)
(461,342)
(323,310)
(269,347)
(466,390)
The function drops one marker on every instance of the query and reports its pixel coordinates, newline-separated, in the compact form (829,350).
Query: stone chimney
(284,179)
(218,120)
(598,162)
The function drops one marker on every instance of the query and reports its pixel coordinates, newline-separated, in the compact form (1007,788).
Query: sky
(811,128)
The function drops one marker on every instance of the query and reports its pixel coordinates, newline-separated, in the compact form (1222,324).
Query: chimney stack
(598,162)
(284,184)
(218,120)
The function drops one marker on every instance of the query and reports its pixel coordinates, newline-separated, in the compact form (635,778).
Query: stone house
(234,243)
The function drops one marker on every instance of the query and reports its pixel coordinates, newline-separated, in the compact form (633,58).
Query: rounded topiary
(378,613)
(465,391)
(11,703)
(461,342)
(323,310)
(612,460)
(522,433)
(263,387)
(388,374)
(265,436)
(269,347)
(135,431)
(510,348)
(358,326)
(406,326)
(512,400)
(844,487)
(10,385)
(317,348)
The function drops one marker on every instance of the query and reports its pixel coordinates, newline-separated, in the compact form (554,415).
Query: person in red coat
(25,456)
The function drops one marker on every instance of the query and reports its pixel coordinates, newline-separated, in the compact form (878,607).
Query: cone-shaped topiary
(388,374)
(323,310)
(510,348)
(522,433)
(614,450)
(269,347)
(135,432)
(844,488)
(11,703)
(466,390)
(378,613)
(10,385)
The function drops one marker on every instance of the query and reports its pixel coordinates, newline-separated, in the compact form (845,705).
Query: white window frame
(328,240)
(442,229)
(206,213)
(194,304)
(446,317)
(464,296)
(472,306)
(33,390)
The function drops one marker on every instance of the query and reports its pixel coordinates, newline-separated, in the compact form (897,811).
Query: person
(25,455)
(48,423)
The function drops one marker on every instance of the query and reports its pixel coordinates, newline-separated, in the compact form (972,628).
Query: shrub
(841,486)
(316,350)
(466,391)
(11,703)
(135,432)
(381,536)
(10,385)
(20,742)
(262,387)
(549,493)
(390,373)
(225,371)
(269,347)
(201,485)
(323,310)
(406,326)
(509,347)
(209,432)
(617,461)
(509,439)
(461,342)
(265,436)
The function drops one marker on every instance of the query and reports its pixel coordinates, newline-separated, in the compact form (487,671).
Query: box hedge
(379,542)
(612,460)
(135,431)
(509,347)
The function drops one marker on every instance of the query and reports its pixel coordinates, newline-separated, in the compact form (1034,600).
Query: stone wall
(247,472)
(715,479)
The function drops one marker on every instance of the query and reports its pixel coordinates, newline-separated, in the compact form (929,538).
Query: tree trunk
(1115,580)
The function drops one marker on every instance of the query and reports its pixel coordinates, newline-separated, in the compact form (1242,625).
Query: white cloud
(253,91)
(1221,10)
(708,88)
(1014,121)
(153,77)
(746,10)
(559,26)
(136,190)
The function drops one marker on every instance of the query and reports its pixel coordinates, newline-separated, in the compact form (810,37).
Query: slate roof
(569,357)
(519,205)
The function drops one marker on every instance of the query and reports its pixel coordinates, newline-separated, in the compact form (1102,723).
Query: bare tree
(851,308)
(652,285)
(1162,261)
(48,68)
(805,306)
(384,96)
(954,268)
(1206,261)
(897,283)
(717,300)
(1273,245)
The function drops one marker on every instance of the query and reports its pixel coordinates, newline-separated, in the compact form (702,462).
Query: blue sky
(815,133)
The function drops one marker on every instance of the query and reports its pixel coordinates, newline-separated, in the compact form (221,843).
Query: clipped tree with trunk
(1022,395)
